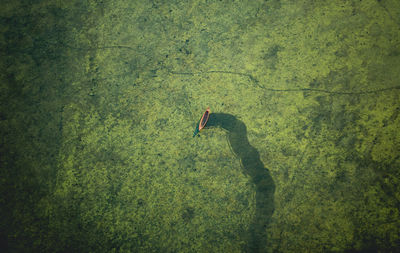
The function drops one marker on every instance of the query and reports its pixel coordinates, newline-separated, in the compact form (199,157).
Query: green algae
(98,102)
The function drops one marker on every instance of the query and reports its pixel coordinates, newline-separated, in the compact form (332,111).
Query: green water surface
(99,100)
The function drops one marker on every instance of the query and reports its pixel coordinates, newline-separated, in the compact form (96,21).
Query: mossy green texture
(99,100)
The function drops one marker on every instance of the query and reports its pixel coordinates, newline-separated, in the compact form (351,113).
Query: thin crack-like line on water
(254,80)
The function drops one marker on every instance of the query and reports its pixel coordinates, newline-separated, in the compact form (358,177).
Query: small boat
(203,121)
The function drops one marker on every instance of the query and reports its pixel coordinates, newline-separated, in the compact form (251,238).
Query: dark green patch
(188,214)
(271,57)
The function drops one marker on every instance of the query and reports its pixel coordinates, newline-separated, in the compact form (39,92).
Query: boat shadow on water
(256,237)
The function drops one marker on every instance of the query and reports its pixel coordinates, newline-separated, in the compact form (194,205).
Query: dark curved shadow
(252,165)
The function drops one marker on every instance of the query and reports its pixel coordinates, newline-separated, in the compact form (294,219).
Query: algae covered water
(99,100)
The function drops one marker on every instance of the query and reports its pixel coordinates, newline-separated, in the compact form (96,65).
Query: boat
(202,122)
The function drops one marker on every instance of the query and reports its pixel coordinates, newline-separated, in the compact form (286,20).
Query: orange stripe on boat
(204,119)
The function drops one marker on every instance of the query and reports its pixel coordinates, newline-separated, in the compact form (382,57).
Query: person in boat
(202,122)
